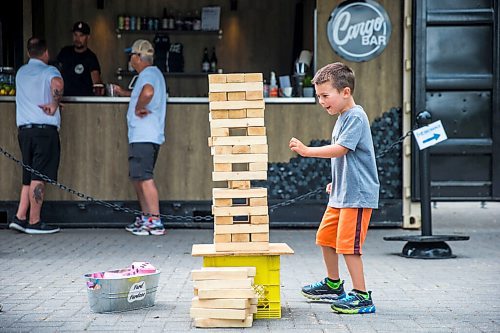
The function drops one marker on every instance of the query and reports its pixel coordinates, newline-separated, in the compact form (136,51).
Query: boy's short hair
(339,74)
(36,47)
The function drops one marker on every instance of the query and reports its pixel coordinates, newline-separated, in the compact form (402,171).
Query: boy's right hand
(329,188)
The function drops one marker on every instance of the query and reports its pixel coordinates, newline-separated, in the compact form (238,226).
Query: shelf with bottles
(121,73)
(217,33)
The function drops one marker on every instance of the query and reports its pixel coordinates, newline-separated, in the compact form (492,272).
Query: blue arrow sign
(434,137)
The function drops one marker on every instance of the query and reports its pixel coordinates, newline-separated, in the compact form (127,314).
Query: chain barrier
(170,217)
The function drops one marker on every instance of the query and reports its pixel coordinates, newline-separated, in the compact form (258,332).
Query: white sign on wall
(430,135)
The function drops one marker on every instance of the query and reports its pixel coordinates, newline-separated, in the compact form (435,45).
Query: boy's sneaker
(151,227)
(40,228)
(322,292)
(354,303)
(17,224)
(134,225)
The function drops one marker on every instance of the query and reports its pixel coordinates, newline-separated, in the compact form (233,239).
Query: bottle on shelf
(273,87)
(197,21)
(171,21)
(126,22)
(164,20)
(205,62)
(213,61)
(121,22)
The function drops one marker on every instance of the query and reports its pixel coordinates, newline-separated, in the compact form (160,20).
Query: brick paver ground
(42,288)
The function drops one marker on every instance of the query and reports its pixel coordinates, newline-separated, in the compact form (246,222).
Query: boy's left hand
(297,146)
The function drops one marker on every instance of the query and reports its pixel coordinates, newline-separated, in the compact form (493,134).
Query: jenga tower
(238,144)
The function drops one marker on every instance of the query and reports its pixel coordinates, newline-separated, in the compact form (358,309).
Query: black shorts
(41,149)
(142,159)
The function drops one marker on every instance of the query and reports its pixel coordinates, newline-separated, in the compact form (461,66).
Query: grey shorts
(142,159)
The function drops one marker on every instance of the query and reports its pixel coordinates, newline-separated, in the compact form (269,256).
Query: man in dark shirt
(79,65)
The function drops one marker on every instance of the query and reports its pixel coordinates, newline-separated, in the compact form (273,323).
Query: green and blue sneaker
(325,290)
(355,302)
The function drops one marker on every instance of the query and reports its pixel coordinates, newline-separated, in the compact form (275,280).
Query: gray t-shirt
(354,176)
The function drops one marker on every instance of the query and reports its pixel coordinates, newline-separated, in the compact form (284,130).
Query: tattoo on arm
(57,95)
(38,193)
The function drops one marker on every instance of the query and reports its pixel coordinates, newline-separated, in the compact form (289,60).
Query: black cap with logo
(82,27)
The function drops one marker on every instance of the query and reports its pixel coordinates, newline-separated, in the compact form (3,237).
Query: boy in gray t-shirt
(353,191)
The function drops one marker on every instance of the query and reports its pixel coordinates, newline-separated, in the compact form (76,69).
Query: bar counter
(172,100)
(94,145)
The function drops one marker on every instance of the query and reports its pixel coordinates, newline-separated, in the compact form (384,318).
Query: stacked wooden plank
(224,297)
(238,144)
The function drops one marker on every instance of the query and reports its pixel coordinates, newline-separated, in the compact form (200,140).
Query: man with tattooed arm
(39,90)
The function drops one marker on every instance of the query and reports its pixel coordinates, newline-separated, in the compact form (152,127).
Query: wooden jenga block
(258,149)
(254,95)
(239,238)
(222,238)
(254,112)
(224,284)
(236,96)
(256,131)
(241,149)
(240,210)
(226,293)
(215,323)
(260,237)
(239,140)
(219,313)
(254,301)
(217,78)
(241,158)
(223,219)
(224,167)
(223,273)
(219,114)
(221,303)
(223,202)
(241,247)
(236,87)
(253,77)
(239,184)
(233,105)
(255,192)
(257,166)
(237,114)
(241,228)
(235,77)
(263,219)
(239,175)
(219,131)
(253,308)
(222,150)
(210,142)
(257,201)
(237,123)
(217,96)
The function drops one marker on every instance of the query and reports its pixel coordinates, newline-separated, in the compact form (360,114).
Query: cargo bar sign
(359,30)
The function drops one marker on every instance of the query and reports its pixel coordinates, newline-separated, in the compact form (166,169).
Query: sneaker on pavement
(134,225)
(17,224)
(322,292)
(149,228)
(354,303)
(40,228)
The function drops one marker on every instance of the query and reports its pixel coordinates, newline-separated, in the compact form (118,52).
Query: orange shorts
(344,229)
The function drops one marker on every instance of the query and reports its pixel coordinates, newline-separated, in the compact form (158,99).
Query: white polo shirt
(32,90)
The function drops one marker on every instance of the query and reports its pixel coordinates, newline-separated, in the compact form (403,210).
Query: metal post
(426,246)
(424,118)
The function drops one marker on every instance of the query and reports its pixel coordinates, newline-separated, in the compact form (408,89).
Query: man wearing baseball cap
(79,65)
(146,132)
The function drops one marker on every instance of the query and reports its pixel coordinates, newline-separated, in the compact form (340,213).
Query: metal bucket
(121,294)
